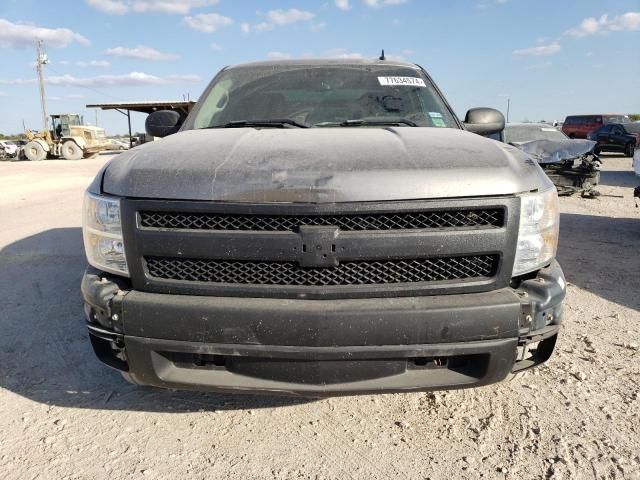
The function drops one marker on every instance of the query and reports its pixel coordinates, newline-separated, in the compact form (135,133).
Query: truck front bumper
(323,347)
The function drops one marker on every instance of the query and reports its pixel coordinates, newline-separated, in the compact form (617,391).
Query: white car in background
(10,147)
(117,145)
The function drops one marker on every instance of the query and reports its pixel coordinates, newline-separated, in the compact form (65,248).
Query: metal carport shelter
(183,107)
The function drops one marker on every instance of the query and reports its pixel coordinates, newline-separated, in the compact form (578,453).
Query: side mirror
(484,121)
(163,123)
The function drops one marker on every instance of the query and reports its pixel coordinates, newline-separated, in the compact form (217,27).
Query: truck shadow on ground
(619,178)
(45,354)
(599,254)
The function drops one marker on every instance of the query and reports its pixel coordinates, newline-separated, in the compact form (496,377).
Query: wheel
(628,149)
(71,150)
(34,152)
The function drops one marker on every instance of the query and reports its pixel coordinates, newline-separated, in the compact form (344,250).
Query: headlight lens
(102,232)
(538,233)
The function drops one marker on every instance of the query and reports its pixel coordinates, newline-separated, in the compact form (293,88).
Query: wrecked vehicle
(4,155)
(322,227)
(571,164)
(8,148)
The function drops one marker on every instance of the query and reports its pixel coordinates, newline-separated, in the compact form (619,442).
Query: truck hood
(321,165)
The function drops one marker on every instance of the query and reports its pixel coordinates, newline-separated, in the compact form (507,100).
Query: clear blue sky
(551,58)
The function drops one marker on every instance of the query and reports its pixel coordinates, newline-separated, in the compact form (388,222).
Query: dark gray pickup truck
(322,228)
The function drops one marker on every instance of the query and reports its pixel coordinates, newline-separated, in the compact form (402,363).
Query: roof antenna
(382,57)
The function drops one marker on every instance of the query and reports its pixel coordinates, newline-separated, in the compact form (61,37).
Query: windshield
(616,119)
(529,133)
(325,95)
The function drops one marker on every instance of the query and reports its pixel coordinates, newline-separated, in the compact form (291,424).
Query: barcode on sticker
(401,81)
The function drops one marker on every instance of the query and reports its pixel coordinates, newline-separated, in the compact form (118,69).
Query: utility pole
(41,61)
(508,107)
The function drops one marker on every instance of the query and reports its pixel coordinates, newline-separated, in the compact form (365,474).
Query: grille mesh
(346,273)
(490,217)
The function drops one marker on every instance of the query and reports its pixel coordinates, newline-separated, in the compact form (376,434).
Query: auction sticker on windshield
(404,81)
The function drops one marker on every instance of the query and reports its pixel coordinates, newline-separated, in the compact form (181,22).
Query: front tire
(71,150)
(628,149)
(34,152)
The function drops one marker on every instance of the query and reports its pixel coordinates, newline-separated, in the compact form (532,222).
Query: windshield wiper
(274,122)
(367,122)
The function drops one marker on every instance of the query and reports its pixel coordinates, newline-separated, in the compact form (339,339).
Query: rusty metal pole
(129,120)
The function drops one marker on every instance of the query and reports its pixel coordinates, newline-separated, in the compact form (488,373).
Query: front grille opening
(474,365)
(195,360)
(327,372)
(368,272)
(428,362)
(437,219)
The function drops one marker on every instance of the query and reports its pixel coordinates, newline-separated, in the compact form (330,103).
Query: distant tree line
(17,136)
(634,116)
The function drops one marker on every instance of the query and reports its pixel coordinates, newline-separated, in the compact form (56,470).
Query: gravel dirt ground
(64,415)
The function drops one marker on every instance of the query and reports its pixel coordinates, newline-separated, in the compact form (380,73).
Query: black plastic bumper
(323,347)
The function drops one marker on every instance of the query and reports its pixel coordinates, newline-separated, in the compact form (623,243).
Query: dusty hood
(321,165)
(553,151)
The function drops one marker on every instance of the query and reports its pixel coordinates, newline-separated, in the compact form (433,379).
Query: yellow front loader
(68,139)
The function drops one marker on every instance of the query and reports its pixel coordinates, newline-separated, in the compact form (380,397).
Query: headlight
(538,233)
(102,232)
